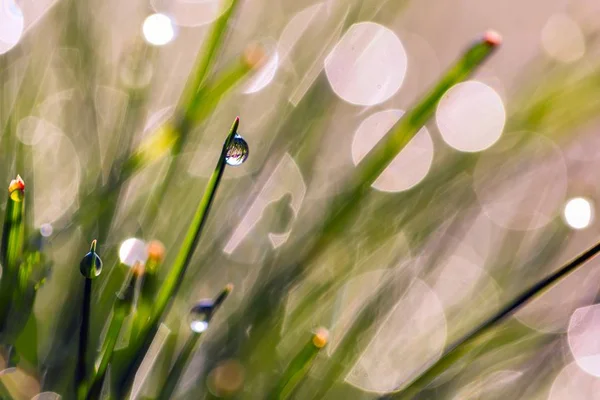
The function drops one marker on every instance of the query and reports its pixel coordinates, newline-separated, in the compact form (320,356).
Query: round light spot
(367,66)
(400,351)
(409,167)
(521,187)
(46,230)
(199,326)
(132,251)
(583,334)
(574,384)
(158,29)
(11,25)
(562,39)
(578,213)
(470,116)
(295,28)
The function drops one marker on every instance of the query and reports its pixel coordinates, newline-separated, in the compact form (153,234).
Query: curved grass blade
(11,247)
(472,339)
(298,368)
(174,278)
(186,353)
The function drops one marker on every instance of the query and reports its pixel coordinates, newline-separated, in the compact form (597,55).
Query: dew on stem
(237,152)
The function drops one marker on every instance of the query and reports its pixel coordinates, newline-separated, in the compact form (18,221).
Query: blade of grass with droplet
(173,280)
(298,368)
(11,246)
(472,339)
(186,353)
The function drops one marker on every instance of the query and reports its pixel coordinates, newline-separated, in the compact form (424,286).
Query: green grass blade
(471,340)
(11,247)
(187,351)
(382,154)
(298,368)
(207,56)
(121,308)
(174,278)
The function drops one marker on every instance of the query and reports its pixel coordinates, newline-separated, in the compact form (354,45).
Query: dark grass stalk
(469,341)
(121,308)
(11,246)
(174,278)
(90,268)
(298,368)
(186,353)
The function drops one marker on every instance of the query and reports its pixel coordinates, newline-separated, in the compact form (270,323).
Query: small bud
(320,338)
(16,189)
(156,251)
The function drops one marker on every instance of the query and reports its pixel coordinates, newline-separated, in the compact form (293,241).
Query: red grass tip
(228,288)
(492,38)
(16,184)
(320,338)
(254,56)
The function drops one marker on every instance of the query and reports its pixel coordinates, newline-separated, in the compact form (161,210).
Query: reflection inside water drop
(237,152)
(200,315)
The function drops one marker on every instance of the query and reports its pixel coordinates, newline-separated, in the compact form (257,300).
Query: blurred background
(498,190)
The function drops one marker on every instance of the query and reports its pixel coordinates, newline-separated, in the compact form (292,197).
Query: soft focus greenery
(114,141)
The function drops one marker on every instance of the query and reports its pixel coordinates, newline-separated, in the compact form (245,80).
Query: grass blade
(187,351)
(177,271)
(121,307)
(469,341)
(298,368)
(11,247)
(90,268)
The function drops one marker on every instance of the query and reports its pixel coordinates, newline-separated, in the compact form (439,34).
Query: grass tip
(492,38)
(320,338)
(93,246)
(16,188)
(138,269)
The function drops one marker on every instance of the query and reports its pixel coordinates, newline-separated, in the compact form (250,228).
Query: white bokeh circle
(562,39)
(11,25)
(521,187)
(470,116)
(411,338)
(578,213)
(584,338)
(158,29)
(409,167)
(367,66)
(572,383)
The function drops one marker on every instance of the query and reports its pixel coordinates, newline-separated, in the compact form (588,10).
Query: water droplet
(91,265)
(200,315)
(237,152)
(46,230)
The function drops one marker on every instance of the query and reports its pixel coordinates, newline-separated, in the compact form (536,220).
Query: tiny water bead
(91,265)
(200,315)
(237,152)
